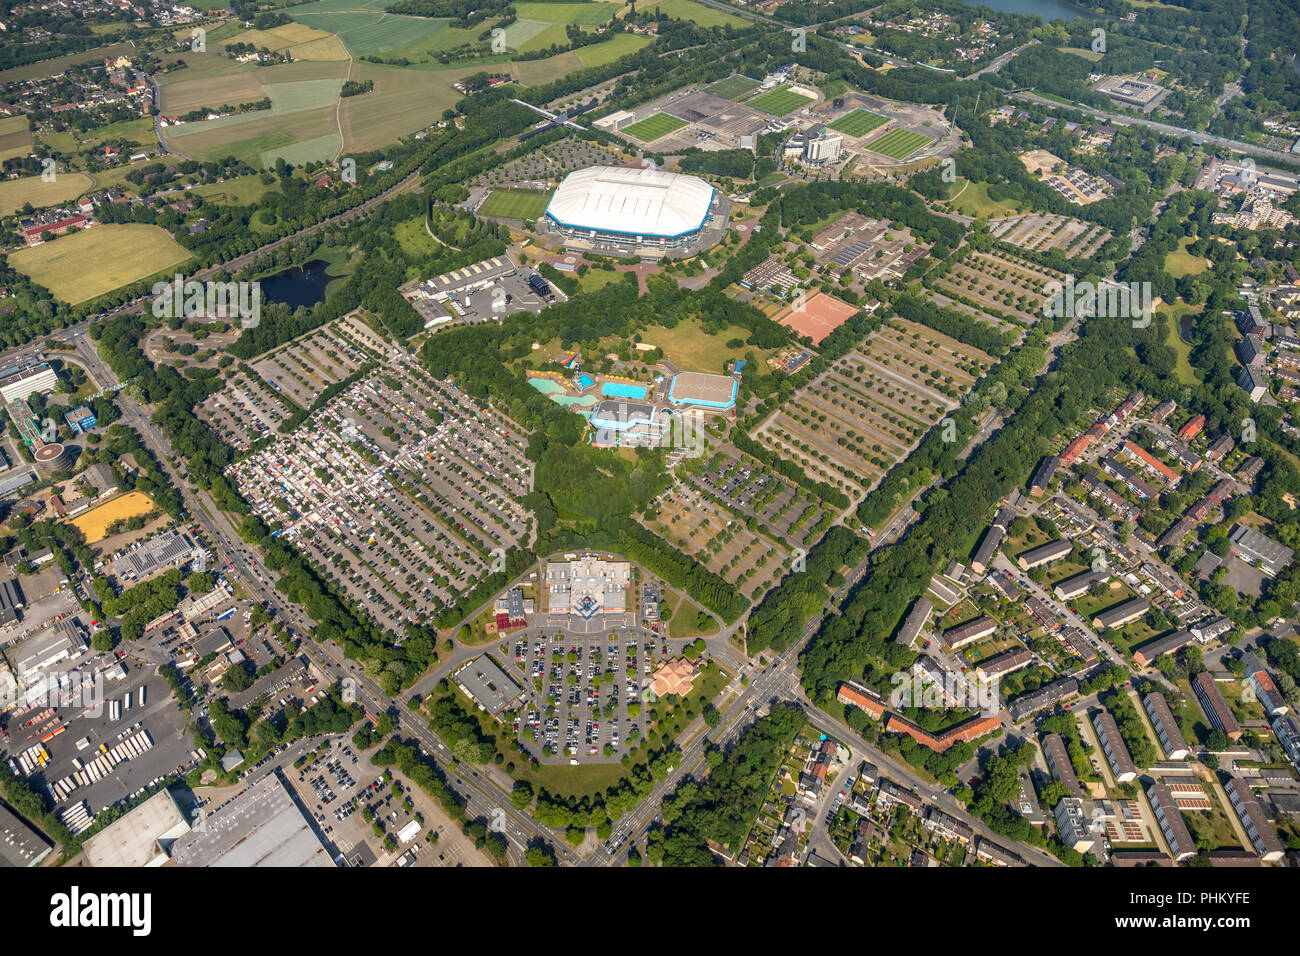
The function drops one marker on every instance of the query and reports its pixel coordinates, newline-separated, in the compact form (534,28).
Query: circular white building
(645,208)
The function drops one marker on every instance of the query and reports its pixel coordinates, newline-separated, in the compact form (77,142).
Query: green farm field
(15,137)
(859,122)
(695,12)
(515,203)
(654,127)
(779,101)
(82,265)
(607,51)
(898,143)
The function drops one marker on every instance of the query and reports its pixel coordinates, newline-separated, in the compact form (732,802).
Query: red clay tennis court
(821,315)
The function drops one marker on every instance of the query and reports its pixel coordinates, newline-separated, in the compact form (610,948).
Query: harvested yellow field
(94,524)
(85,264)
(299,40)
(14,193)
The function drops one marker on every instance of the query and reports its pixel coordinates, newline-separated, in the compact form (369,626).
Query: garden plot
(1041,232)
(244,412)
(710,534)
(1000,282)
(305,368)
(871,407)
(399,491)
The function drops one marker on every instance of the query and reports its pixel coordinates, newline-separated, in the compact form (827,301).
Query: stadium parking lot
(401,490)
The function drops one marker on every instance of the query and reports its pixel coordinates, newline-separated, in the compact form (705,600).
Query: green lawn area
(239,191)
(898,143)
(1181,263)
(859,123)
(594,279)
(654,127)
(690,349)
(414,239)
(779,101)
(1186,373)
(733,87)
(972,199)
(515,203)
(583,14)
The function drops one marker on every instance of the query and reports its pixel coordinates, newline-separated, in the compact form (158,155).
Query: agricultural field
(15,193)
(1000,282)
(402,102)
(364,27)
(654,127)
(398,491)
(90,262)
(688,520)
(515,204)
(580,14)
(871,407)
(779,101)
(1043,231)
(15,137)
(859,123)
(734,87)
(304,368)
(694,12)
(94,524)
(607,51)
(300,41)
(898,143)
(239,191)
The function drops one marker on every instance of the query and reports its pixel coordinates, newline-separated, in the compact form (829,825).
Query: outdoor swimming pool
(618,390)
(555,392)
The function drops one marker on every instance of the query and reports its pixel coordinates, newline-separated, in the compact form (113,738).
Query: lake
(298,285)
(1047,9)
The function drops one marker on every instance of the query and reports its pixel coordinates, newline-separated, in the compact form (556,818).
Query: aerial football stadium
(641,209)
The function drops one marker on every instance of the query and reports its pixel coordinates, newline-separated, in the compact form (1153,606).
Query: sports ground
(654,127)
(816,317)
(779,101)
(898,143)
(515,204)
(859,123)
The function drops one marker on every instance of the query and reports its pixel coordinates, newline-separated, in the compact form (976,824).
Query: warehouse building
(264,826)
(646,208)
(488,685)
(11,601)
(20,845)
(1254,546)
(143,837)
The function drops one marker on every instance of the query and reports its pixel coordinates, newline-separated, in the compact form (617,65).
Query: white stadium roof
(635,202)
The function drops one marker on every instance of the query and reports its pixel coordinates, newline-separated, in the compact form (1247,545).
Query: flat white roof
(634,202)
